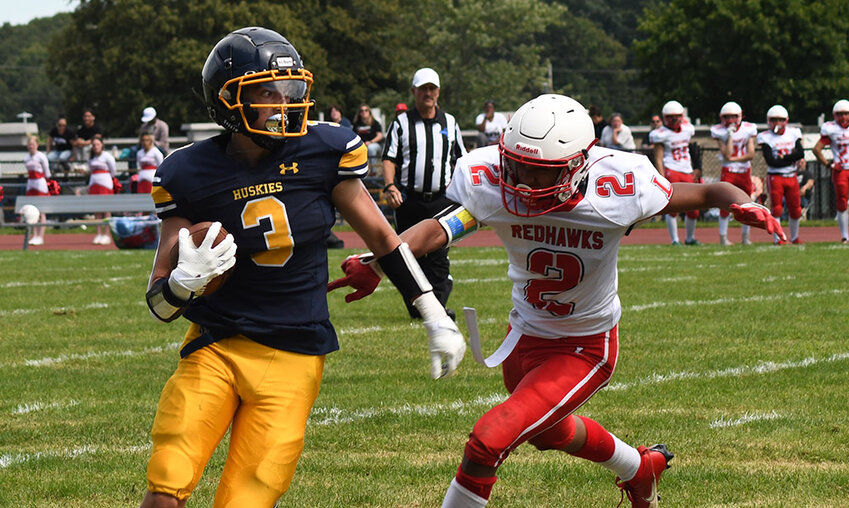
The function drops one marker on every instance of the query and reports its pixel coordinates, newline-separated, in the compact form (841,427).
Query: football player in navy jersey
(254,351)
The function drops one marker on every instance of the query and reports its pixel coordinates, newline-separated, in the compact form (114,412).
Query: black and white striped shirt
(424,150)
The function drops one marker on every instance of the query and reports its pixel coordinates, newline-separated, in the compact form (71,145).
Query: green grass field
(735,357)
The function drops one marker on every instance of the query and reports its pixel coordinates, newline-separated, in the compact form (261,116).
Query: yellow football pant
(265,393)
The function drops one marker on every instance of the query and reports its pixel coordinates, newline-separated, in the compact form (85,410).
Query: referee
(424,142)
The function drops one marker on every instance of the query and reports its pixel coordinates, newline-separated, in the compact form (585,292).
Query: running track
(485,238)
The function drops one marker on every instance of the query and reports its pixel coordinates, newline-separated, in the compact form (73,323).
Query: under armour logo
(293,168)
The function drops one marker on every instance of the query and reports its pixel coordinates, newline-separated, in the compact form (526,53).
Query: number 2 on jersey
(562,271)
(279,239)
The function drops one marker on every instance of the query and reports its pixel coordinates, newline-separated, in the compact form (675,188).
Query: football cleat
(797,242)
(692,242)
(642,488)
(724,241)
(676,242)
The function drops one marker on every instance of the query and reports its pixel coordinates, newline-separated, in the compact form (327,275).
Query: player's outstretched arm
(395,259)
(688,196)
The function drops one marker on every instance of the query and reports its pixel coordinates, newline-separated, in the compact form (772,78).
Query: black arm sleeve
(780,162)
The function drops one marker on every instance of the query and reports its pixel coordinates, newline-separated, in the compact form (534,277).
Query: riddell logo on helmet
(527,149)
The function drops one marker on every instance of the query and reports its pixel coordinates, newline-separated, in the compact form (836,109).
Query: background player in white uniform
(101,167)
(38,171)
(836,134)
(672,159)
(736,141)
(148,158)
(782,149)
(560,206)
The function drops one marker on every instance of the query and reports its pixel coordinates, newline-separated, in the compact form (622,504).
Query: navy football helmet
(257,57)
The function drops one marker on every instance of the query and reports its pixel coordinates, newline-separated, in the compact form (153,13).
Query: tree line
(118,56)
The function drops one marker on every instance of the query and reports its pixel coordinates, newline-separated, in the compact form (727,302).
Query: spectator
(782,150)
(736,142)
(38,172)
(617,135)
(85,133)
(148,158)
(60,143)
(654,123)
(672,159)
(562,342)
(152,124)
(418,191)
(598,120)
(836,134)
(806,189)
(255,350)
(490,125)
(101,168)
(335,114)
(370,131)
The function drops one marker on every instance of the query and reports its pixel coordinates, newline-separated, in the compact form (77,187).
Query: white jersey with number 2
(563,264)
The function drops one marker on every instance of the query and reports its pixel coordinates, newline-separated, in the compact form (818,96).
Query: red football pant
(786,187)
(840,178)
(679,177)
(740,180)
(548,379)
(144,187)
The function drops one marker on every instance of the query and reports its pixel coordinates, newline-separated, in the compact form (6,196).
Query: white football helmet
(673,115)
(29,214)
(672,108)
(841,106)
(549,132)
(776,119)
(731,114)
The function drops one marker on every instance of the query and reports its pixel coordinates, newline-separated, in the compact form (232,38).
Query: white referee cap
(424,76)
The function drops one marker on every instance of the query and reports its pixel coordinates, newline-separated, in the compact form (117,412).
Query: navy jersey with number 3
(280,214)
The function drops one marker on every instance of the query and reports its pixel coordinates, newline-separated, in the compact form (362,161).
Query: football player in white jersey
(560,206)
(783,153)
(672,159)
(736,141)
(836,134)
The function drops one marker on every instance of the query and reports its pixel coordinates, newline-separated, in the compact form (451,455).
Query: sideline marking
(49,361)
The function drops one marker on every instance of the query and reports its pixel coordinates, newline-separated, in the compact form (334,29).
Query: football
(198,232)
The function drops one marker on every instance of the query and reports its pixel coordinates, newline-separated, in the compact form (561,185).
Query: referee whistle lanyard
(503,350)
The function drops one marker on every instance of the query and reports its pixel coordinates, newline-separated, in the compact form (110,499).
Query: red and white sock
(609,451)
(468,491)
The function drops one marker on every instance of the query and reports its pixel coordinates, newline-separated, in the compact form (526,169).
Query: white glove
(446,343)
(199,265)
(447,347)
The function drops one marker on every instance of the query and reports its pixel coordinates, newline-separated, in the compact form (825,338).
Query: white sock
(690,228)
(745,230)
(625,460)
(723,225)
(672,227)
(843,223)
(794,229)
(461,497)
(775,238)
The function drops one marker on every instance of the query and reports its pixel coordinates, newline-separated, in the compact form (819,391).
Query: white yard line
(723,301)
(23,409)
(722,422)
(50,361)
(11,459)
(63,282)
(760,368)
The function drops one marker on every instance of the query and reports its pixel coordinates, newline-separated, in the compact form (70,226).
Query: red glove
(360,276)
(753,214)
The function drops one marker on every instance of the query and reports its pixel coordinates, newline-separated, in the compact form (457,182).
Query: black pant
(436,267)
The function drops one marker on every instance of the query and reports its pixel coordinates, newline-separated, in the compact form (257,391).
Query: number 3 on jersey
(279,239)
(562,271)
